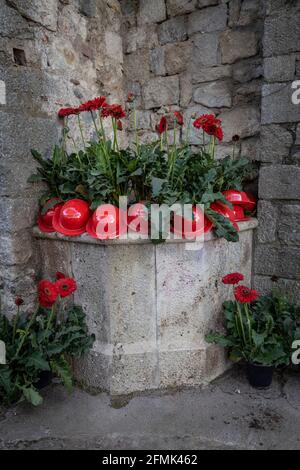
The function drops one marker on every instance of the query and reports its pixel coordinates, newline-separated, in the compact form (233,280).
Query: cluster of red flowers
(242,293)
(49,291)
(210,124)
(162,127)
(115,110)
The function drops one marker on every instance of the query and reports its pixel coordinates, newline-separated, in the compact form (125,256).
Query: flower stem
(16,321)
(81,130)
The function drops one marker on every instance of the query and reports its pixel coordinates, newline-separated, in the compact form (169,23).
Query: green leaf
(32,396)
(61,368)
(258,339)
(37,361)
(35,179)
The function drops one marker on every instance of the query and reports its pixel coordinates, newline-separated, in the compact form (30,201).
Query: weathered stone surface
(276,143)
(88,8)
(137,65)
(267,222)
(277,105)
(280,69)
(206,50)
(243,120)
(281,33)
(143,119)
(207,3)
(297,141)
(114,46)
(151,12)
(180,7)
(43,12)
(247,92)
(269,261)
(289,224)
(209,74)
(157,61)
(279,182)
(265,285)
(208,20)
(172,30)
(247,70)
(177,57)
(250,11)
(236,45)
(186,90)
(15,249)
(234,12)
(161,91)
(250,148)
(214,94)
(12,24)
(12,218)
(140,37)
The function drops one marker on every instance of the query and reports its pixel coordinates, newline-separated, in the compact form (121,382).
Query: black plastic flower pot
(45,379)
(260,376)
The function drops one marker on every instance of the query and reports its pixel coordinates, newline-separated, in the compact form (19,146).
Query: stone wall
(52,54)
(199,56)
(278,239)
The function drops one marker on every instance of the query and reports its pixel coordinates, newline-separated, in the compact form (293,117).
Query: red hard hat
(239,214)
(112,218)
(197,215)
(71,218)
(45,221)
(224,210)
(138,211)
(240,198)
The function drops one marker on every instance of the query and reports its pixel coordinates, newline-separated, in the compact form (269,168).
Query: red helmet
(240,198)
(239,214)
(224,210)
(109,218)
(198,215)
(71,218)
(45,221)
(138,211)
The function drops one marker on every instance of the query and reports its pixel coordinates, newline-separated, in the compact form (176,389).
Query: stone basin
(149,306)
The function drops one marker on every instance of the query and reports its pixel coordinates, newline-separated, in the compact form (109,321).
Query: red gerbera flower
(245,295)
(210,124)
(59,275)
(48,293)
(94,105)
(179,118)
(162,126)
(66,286)
(65,112)
(233,278)
(114,110)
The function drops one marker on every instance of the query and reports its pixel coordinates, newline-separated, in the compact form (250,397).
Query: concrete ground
(227,414)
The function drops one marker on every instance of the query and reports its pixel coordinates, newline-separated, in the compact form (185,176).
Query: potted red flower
(251,334)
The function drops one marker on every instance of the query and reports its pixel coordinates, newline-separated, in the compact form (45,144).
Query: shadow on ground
(226,414)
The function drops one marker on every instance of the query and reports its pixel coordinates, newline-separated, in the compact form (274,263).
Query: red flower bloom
(162,126)
(94,104)
(179,118)
(19,301)
(59,275)
(233,278)
(48,293)
(130,97)
(119,125)
(113,110)
(66,286)
(245,295)
(65,112)
(210,124)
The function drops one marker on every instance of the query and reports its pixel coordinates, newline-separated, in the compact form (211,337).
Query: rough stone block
(157,61)
(276,143)
(114,46)
(206,3)
(180,7)
(265,285)
(186,90)
(12,24)
(143,120)
(248,69)
(137,65)
(12,218)
(277,105)
(177,57)
(210,74)
(173,30)
(206,50)
(208,20)
(44,12)
(250,11)
(279,182)
(297,141)
(268,261)
(236,45)
(151,12)
(141,37)
(88,8)
(280,69)
(214,95)
(289,224)
(15,249)
(242,120)
(267,226)
(161,91)
(281,33)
